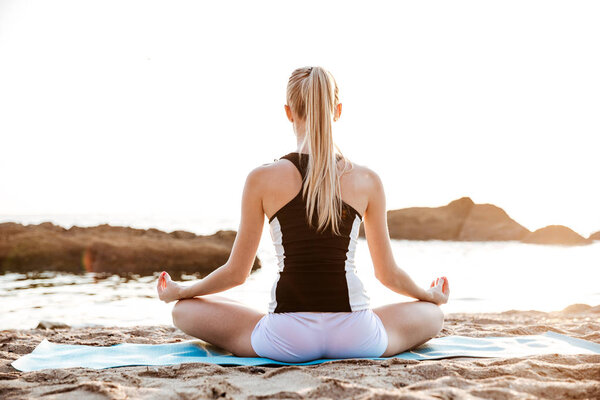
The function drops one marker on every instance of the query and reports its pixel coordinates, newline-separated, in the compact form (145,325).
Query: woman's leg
(218,320)
(409,324)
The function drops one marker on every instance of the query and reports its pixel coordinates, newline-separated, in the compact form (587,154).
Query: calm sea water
(483,276)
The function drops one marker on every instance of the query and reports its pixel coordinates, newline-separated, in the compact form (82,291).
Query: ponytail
(313,94)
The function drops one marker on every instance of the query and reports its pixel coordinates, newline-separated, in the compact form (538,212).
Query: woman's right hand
(439,291)
(167,289)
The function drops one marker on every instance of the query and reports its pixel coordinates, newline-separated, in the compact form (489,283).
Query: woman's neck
(299,148)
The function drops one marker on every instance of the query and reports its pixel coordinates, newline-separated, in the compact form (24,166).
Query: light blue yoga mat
(54,355)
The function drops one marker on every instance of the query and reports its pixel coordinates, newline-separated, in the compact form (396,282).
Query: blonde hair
(312,95)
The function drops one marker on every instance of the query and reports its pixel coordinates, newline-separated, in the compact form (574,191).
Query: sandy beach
(551,376)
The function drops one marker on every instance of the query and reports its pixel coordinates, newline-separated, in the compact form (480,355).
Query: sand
(551,376)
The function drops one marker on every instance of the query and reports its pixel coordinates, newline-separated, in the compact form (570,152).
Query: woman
(318,308)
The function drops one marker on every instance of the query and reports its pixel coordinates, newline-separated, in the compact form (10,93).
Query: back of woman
(315,200)
(316,270)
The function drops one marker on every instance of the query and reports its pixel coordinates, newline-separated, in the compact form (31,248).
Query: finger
(163,279)
(432,284)
(445,287)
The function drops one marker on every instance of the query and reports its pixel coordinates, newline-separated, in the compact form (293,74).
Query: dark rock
(461,219)
(182,235)
(556,234)
(111,249)
(488,222)
(427,223)
(11,228)
(52,325)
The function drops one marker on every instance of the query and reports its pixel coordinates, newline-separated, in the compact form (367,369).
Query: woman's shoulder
(362,175)
(271,171)
(276,166)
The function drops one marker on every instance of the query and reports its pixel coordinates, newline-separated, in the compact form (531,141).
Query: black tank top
(316,270)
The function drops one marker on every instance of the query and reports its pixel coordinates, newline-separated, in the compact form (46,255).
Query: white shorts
(304,336)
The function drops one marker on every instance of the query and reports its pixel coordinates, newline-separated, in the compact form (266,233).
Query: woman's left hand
(439,291)
(168,290)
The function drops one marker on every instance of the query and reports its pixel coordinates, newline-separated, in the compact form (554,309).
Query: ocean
(483,277)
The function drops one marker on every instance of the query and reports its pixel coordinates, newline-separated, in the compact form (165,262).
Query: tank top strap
(300,160)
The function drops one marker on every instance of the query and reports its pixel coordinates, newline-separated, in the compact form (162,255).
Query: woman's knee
(179,310)
(436,318)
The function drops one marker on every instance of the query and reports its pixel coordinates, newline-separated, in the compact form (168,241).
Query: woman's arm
(237,268)
(378,240)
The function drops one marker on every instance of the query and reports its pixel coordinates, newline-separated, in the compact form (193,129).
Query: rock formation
(595,236)
(111,249)
(461,219)
(556,234)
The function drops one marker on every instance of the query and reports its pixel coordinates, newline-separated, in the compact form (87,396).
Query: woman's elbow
(382,277)
(389,277)
(232,274)
(237,277)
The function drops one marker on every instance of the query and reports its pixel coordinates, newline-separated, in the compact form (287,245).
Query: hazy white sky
(163,107)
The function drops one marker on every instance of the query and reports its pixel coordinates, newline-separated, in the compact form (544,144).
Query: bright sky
(163,107)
